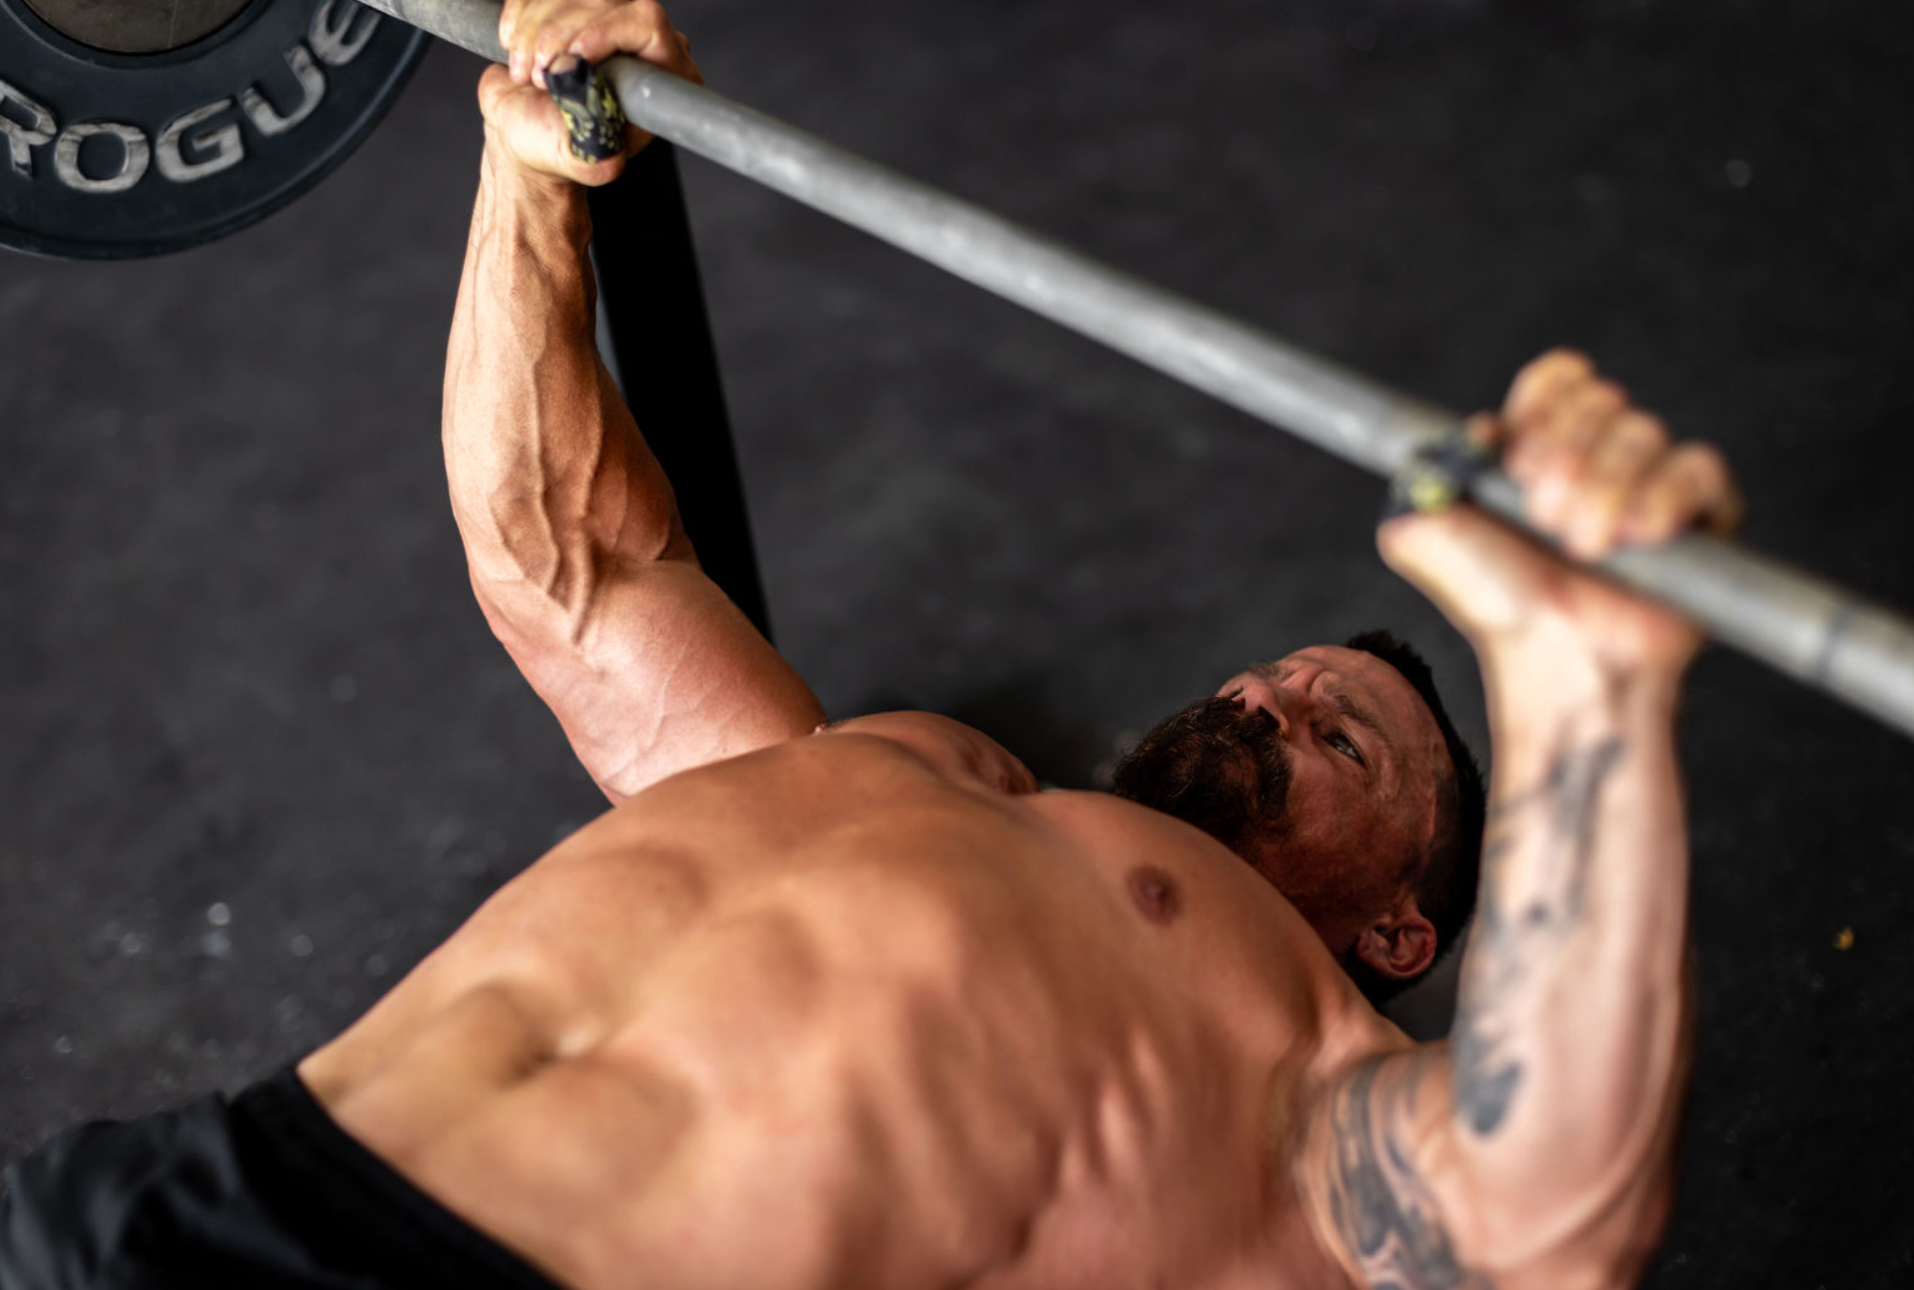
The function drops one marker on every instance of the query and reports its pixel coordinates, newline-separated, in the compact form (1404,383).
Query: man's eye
(1343,744)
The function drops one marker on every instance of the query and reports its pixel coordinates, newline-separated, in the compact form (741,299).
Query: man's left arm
(1535,1146)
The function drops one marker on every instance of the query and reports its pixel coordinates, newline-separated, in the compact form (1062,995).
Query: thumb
(1482,574)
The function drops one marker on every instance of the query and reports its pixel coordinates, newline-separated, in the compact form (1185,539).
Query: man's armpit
(1385,1217)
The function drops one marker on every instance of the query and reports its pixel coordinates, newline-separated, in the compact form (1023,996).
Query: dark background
(258,752)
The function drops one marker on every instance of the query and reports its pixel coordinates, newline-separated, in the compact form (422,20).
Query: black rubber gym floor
(258,752)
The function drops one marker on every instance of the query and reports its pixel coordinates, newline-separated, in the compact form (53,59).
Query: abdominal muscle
(833,1015)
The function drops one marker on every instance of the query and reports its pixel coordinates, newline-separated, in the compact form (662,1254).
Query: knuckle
(1634,444)
(1704,465)
(1578,473)
(1575,415)
(1708,456)
(1644,427)
(1582,428)
(1605,396)
(1561,360)
(1616,464)
(1540,376)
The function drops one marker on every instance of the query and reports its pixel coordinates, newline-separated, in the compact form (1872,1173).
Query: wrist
(1524,683)
(534,198)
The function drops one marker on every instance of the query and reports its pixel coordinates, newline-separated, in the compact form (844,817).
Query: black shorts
(262,1190)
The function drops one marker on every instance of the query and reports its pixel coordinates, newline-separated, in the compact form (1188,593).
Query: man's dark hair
(1445,880)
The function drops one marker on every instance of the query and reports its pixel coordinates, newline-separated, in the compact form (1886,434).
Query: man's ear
(1401,945)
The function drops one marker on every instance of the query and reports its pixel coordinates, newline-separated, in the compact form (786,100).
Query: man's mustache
(1216,766)
(1227,719)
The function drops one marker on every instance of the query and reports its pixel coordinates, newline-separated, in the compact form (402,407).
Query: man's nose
(1285,704)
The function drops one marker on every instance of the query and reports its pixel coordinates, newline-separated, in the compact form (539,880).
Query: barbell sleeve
(1798,623)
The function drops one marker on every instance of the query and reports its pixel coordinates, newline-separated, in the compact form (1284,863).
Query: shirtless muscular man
(859,1005)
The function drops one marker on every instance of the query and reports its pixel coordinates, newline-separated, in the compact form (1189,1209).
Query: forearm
(1568,1048)
(550,481)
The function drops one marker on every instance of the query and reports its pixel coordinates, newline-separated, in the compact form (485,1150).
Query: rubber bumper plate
(137,127)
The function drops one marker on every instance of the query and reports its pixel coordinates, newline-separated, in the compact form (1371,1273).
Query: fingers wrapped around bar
(535,32)
(583,139)
(1597,471)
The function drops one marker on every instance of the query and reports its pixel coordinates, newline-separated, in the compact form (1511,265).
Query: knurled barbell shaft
(1796,622)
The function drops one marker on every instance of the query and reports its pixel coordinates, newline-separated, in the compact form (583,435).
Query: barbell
(1796,622)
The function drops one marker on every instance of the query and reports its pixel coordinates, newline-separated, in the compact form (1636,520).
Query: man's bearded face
(1218,767)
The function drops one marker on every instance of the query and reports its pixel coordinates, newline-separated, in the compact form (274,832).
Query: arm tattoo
(1379,1203)
(1510,943)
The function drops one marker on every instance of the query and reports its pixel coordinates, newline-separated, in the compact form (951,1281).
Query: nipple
(1155,894)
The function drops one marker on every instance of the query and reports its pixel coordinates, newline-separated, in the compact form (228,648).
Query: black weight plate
(109,156)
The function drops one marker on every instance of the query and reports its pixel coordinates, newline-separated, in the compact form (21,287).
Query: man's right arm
(571,532)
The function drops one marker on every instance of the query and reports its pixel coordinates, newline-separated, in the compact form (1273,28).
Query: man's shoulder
(961,753)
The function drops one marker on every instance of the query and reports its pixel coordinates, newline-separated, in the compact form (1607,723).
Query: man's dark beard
(1216,766)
